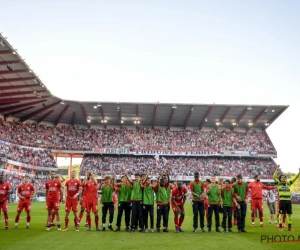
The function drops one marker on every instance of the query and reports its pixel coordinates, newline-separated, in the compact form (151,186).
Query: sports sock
(66,222)
(181,220)
(17,219)
(176,222)
(252,216)
(261,216)
(97,220)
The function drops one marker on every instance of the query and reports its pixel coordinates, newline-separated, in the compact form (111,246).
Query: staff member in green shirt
(227,194)
(284,189)
(214,199)
(148,204)
(107,201)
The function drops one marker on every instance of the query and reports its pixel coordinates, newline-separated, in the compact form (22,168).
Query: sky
(223,52)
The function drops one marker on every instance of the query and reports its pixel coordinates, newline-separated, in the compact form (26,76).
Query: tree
(295,188)
(289,175)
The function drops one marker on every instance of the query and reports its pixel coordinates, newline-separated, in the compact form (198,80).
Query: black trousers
(198,208)
(162,211)
(213,209)
(227,213)
(241,215)
(107,206)
(126,208)
(137,214)
(148,210)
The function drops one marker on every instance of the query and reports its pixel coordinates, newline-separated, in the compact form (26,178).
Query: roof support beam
(137,114)
(154,115)
(120,116)
(73,118)
(26,117)
(187,119)
(9,102)
(85,114)
(44,116)
(19,87)
(257,118)
(137,110)
(102,116)
(6,100)
(7,72)
(20,93)
(61,115)
(204,120)
(237,121)
(16,79)
(10,62)
(18,111)
(171,117)
(2,52)
(223,116)
(20,106)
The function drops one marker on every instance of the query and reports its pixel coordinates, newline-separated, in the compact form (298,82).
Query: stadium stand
(141,139)
(182,167)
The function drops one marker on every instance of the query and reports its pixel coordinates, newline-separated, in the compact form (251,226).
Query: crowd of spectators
(142,139)
(180,166)
(36,157)
(15,179)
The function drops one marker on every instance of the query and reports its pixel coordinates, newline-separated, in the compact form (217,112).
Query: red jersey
(72,187)
(83,190)
(4,191)
(53,187)
(256,189)
(26,190)
(91,190)
(179,194)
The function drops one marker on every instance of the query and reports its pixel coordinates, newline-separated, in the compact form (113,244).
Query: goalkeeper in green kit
(284,191)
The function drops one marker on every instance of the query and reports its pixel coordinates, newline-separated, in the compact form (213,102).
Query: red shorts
(52,205)
(91,205)
(24,204)
(4,206)
(174,208)
(71,204)
(83,201)
(257,204)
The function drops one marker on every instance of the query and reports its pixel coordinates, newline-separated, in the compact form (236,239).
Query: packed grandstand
(36,127)
(27,148)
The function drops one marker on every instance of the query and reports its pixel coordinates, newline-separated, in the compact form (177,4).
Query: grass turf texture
(38,238)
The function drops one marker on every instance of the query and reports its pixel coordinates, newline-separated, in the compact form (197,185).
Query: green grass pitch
(38,238)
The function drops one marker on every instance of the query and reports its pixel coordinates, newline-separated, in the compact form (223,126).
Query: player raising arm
(285,204)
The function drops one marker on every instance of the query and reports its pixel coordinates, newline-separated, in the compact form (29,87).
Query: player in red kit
(257,198)
(4,193)
(91,202)
(26,191)
(53,198)
(178,199)
(73,190)
(82,204)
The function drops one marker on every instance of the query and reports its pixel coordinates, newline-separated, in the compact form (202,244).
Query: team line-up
(136,200)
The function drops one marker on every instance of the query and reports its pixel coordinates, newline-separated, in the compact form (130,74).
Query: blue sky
(224,52)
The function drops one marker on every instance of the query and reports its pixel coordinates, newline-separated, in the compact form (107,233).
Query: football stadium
(152,175)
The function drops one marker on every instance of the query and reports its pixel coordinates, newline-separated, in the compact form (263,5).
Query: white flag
(165,161)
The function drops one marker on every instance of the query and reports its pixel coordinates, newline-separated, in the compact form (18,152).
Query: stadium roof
(23,95)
